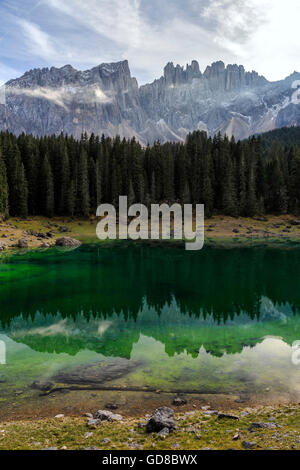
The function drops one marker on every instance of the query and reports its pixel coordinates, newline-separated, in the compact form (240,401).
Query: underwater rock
(97,373)
(43,386)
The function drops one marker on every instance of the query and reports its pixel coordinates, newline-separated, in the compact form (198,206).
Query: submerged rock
(162,418)
(98,372)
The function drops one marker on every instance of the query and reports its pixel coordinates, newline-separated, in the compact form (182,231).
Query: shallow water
(121,323)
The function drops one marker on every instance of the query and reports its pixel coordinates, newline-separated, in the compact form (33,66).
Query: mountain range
(108,100)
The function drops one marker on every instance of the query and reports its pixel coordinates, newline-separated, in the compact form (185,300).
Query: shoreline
(220,231)
(201,429)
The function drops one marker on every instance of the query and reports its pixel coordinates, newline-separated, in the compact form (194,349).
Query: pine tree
(3,188)
(251,202)
(294,183)
(229,202)
(83,197)
(207,190)
(47,188)
(98,175)
(64,182)
(71,199)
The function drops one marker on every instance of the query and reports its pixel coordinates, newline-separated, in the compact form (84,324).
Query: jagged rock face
(106,99)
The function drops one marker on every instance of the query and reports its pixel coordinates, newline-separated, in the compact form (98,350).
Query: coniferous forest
(59,175)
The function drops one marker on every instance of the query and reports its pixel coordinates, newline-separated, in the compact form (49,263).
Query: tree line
(58,175)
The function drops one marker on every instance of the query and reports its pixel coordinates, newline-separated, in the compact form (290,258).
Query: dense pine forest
(59,175)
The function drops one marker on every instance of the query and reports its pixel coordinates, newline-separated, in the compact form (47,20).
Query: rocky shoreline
(40,232)
(260,428)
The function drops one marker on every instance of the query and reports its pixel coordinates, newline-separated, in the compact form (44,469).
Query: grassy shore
(219,230)
(196,430)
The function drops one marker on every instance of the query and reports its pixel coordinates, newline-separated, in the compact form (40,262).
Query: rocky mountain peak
(107,99)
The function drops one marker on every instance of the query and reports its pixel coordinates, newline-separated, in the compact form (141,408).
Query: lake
(136,325)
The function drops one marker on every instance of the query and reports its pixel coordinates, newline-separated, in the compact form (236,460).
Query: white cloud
(39,42)
(63,96)
(260,34)
(147,46)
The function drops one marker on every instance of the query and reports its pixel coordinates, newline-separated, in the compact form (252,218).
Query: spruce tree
(47,188)
(3,188)
(83,197)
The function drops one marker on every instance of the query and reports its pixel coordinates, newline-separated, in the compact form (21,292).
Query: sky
(260,34)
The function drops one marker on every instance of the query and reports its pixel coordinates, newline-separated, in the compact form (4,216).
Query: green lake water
(122,323)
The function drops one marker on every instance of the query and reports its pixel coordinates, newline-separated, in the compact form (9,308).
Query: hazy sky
(260,34)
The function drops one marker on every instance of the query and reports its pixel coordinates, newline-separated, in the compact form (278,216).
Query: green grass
(195,431)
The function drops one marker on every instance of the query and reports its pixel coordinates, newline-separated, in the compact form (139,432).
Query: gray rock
(2,247)
(87,435)
(163,433)
(256,426)
(67,241)
(45,245)
(162,418)
(178,401)
(248,445)
(22,243)
(227,416)
(106,440)
(210,412)
(93,423)
(105,415)
(111,406)
(142,424)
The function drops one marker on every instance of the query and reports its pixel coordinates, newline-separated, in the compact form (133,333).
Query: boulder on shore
(22,243)
(104,415)
(162,418)
(179,401)
(67,241)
